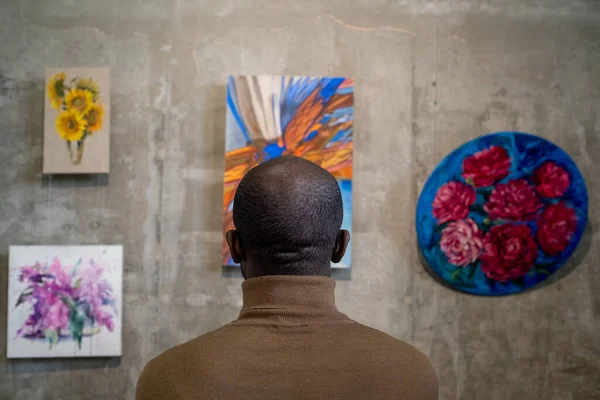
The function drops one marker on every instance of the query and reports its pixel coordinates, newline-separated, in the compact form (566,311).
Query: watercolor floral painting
(64,301)
(270,116)
(76,121)
(501,214)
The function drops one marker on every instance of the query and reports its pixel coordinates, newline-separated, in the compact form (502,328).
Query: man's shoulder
(395,357)
(168,369)
(378,340)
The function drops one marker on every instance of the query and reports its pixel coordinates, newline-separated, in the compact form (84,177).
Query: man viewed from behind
(290,341)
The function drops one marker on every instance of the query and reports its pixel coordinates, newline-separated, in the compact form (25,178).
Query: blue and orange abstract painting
(270,116)
(501,213)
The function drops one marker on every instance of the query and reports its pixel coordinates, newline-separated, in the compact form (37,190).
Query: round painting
(501,213)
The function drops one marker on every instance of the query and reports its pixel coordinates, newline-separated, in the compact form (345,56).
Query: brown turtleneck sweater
(290,342)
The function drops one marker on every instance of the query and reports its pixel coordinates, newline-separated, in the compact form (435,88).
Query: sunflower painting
(76,136)
(270,116)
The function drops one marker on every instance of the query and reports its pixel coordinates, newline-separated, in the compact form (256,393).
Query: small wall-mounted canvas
(64,301)
(271,116)
(77,121)
(501,213)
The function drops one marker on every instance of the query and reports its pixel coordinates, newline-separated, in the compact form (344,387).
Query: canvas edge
(118,353)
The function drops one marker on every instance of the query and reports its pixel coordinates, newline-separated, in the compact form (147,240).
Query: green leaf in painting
(472,268)
(542,271)
(77,283)
(439,228)
(24,295)
(52,337)
(76,267)
(455,274)
(67,301)
(76,322)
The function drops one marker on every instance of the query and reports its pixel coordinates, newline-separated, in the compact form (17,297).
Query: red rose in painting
(486,166)
(509,252)
(556,226)
(452,201)
(461,242)
(551,180)
(514,200)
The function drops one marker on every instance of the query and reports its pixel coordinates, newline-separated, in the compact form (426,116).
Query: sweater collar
(289,291)
(288,299)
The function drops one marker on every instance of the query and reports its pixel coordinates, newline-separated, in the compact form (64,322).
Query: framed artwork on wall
(77,121)
(64,301)
(501,213)
(270,116)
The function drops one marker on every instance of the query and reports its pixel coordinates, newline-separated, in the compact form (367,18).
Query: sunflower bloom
(71,125)
(80,100)
(56,90)
(94,117)
(89,85)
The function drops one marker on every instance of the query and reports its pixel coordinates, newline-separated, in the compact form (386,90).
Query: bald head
(288,213)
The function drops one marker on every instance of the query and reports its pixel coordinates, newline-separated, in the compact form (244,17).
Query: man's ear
(235,246)
(341,243)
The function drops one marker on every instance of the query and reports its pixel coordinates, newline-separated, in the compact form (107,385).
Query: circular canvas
(501,213)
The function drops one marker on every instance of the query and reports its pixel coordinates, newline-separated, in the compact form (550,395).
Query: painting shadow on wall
(574,261)
(40,365)
(32,113)
(69,181)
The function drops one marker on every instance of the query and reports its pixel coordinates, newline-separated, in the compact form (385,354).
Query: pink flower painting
(64,299)
(461,242)
(501,213)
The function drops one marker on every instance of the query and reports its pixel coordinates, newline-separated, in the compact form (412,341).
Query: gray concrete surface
(429,76)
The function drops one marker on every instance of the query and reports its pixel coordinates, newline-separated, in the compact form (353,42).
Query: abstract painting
(271,116)
(64,301)
(501,213)
(77,121)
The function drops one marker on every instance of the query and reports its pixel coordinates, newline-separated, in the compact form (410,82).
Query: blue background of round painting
(527,153)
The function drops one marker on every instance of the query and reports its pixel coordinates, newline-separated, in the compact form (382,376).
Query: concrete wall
(429,75)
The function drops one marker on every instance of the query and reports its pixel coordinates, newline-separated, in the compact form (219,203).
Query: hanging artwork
(64,301)
(271,116)
(77,121)
(501,213)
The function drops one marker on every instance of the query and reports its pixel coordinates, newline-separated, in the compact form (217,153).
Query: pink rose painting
(501,213)
(462,242)
(64,301)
